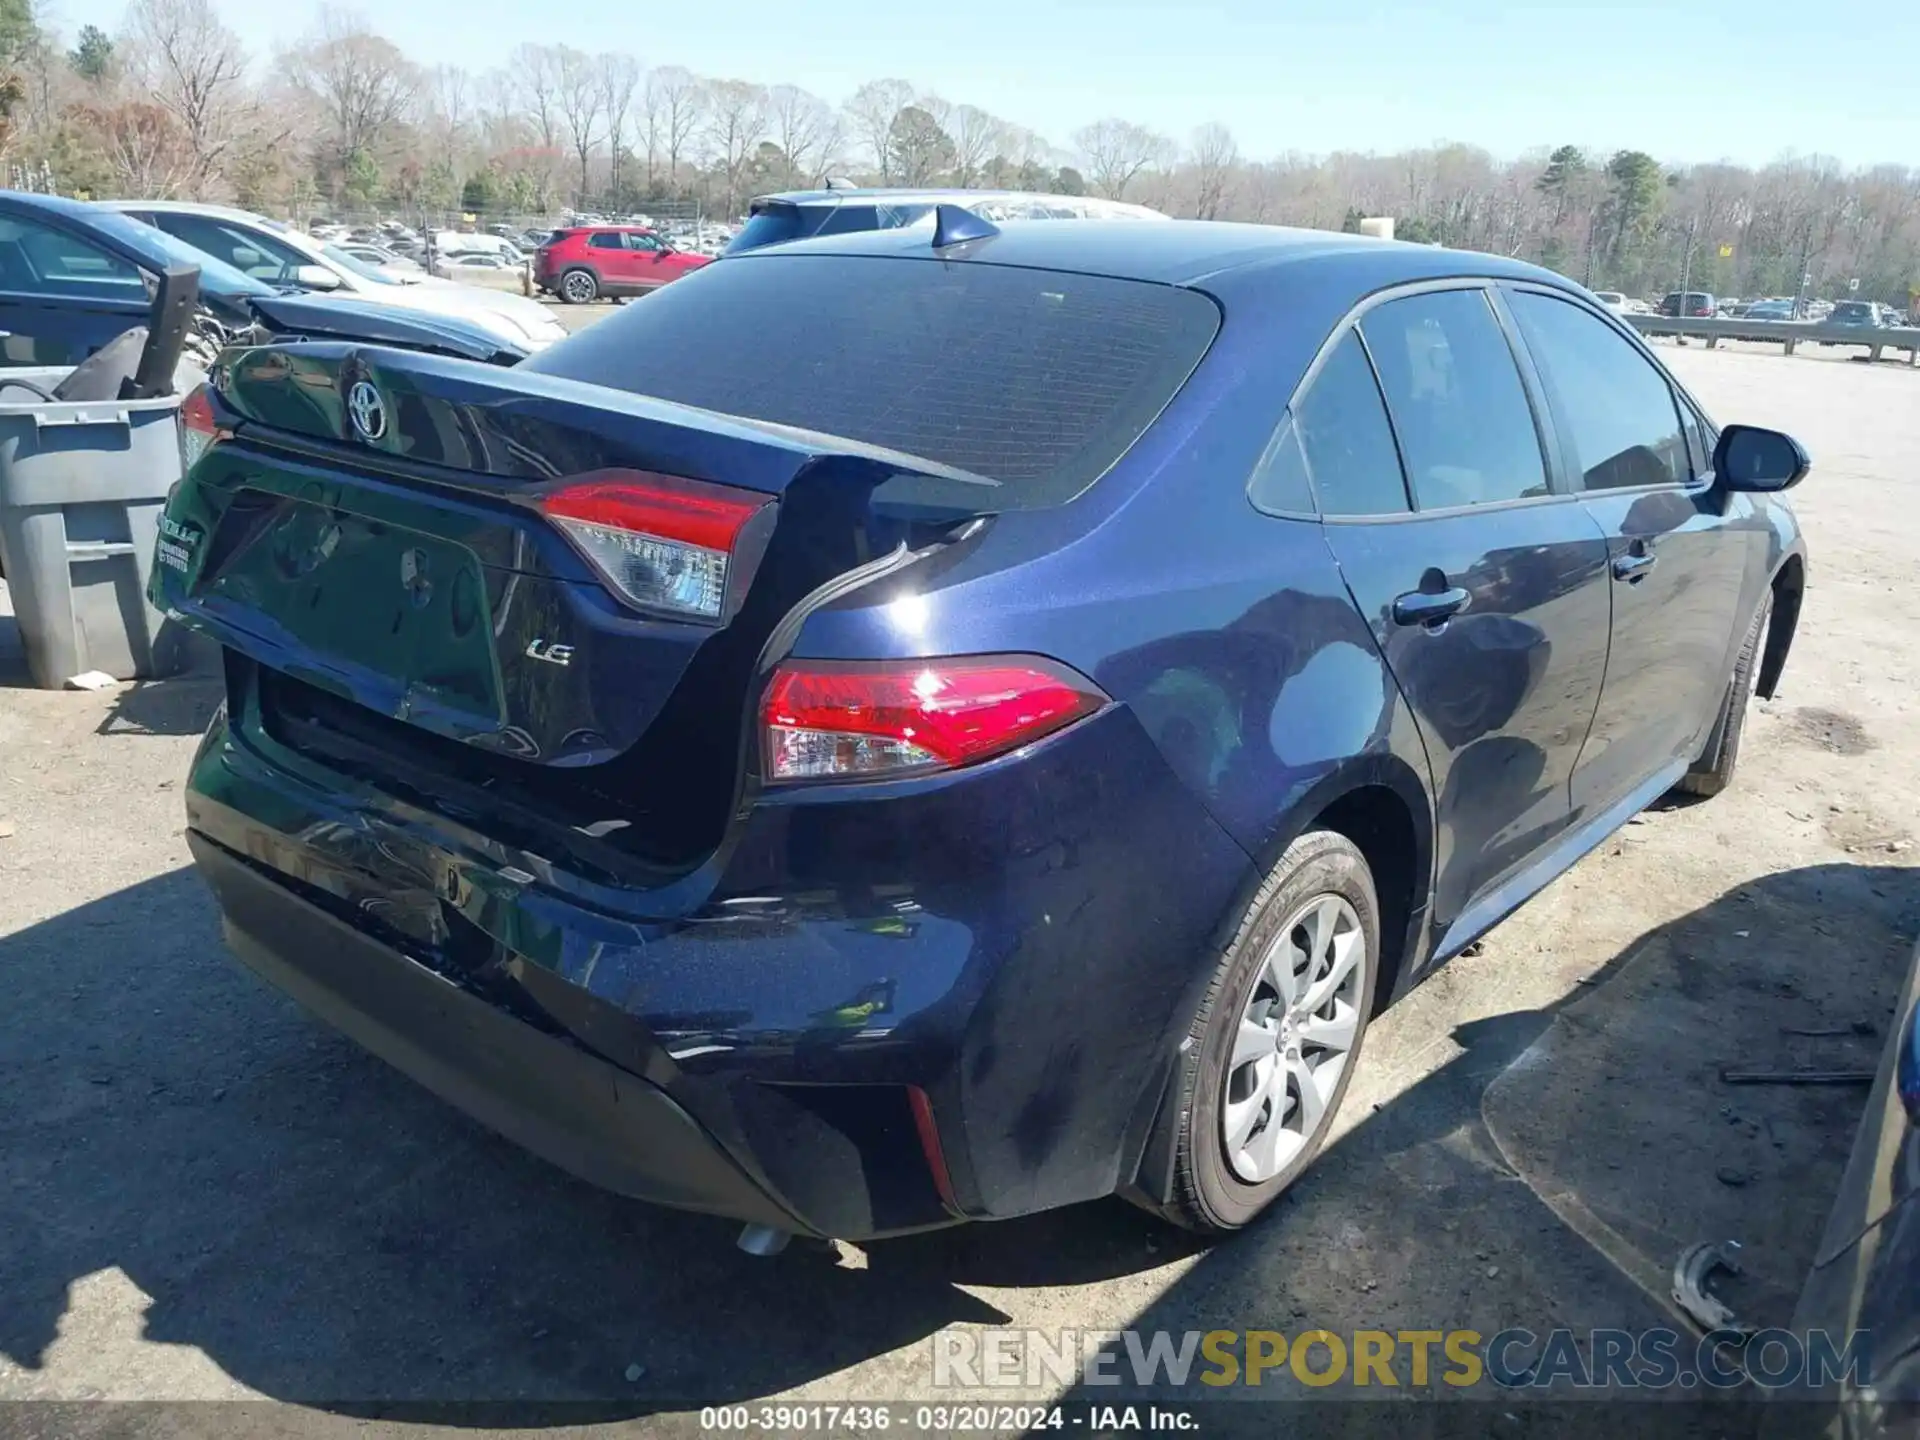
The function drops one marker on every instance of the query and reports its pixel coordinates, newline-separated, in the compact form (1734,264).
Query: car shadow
(187,1160)
(181,1144)
(150,707)
(182,705)
(13,648)
(1550,1172)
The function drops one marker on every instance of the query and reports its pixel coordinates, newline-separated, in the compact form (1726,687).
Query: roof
(968,199)
(1179,252)
(52,204)
(191,207)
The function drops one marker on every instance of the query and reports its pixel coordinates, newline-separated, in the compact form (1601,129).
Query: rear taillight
(200,431)
(832,720)
(663,543)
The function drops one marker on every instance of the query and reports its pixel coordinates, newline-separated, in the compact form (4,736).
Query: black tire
(579,287)
(1713,771)
(1208,1196)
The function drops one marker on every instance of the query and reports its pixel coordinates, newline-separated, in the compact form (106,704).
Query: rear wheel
(578,287)
(1276,1039)
(1713,771)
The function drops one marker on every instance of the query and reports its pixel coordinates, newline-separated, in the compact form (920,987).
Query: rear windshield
(1038,379)
(1852,310)
(774,225)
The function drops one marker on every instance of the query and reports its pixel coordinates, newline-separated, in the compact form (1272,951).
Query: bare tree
(497,101)
(871,113)
(736,124)
(1116,151)
(533,80)
(1215,156)
(803,127)
(619,79)
(361,80)
(181,58)
(449,106)
(976,136)
(671,105)
(144,145)
(581,100)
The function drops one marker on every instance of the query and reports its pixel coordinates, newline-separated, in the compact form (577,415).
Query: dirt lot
(204,1195)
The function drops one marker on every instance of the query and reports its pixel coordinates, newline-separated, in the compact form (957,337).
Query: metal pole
(1686,264)
(1801,297)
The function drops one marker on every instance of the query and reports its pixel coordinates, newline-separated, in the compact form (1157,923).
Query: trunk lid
(369,536)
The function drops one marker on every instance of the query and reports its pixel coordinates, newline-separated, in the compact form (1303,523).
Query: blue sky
(1692,80)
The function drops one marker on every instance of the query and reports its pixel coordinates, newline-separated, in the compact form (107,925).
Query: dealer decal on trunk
(175,547)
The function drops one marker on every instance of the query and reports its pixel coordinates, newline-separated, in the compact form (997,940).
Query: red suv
(584,262)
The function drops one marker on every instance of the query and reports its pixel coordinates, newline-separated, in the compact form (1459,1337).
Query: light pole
(1686,263)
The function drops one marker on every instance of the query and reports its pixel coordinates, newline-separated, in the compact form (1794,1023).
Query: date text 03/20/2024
(944,1419)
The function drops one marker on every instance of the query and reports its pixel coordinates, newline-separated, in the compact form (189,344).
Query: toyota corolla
(935,724)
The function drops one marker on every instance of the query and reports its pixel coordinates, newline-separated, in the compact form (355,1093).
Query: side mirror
(315,277)
(1750,458)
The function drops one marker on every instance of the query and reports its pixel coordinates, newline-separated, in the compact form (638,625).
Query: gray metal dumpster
(82,484)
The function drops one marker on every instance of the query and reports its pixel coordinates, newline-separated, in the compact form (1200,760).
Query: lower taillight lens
(200,431)
(829,720)
(663,543)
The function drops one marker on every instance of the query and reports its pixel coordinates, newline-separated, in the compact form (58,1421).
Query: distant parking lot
(206,1195)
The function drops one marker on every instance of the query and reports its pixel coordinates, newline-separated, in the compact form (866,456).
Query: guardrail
(1789,333)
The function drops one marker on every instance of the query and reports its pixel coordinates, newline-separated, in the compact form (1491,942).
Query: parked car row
(285,258)
(74,277)
(1699,304)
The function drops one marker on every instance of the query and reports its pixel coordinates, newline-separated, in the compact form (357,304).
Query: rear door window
(848,220)
(250,253)
(1037,379)
(1460,412)
(606,240)
(1345,439)
(1614,409)
(770,225)
(37,259)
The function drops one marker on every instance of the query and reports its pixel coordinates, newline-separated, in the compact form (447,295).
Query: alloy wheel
(1294,1039)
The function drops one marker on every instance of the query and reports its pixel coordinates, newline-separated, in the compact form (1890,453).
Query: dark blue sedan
(936,724)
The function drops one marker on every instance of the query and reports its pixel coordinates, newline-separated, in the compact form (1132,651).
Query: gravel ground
(204,1195)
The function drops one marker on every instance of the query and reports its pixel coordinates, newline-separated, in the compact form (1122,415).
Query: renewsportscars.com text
(1516,1358)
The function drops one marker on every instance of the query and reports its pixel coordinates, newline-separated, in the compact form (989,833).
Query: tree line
(340,120)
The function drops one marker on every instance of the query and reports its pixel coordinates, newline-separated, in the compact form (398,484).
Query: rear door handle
(1632,568)
(1430,608)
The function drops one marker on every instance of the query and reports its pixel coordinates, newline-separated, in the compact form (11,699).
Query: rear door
(1485,588)
(62,295)
(607,253)
(1678,551)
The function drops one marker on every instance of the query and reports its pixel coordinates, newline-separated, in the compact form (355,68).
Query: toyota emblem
(369,412)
